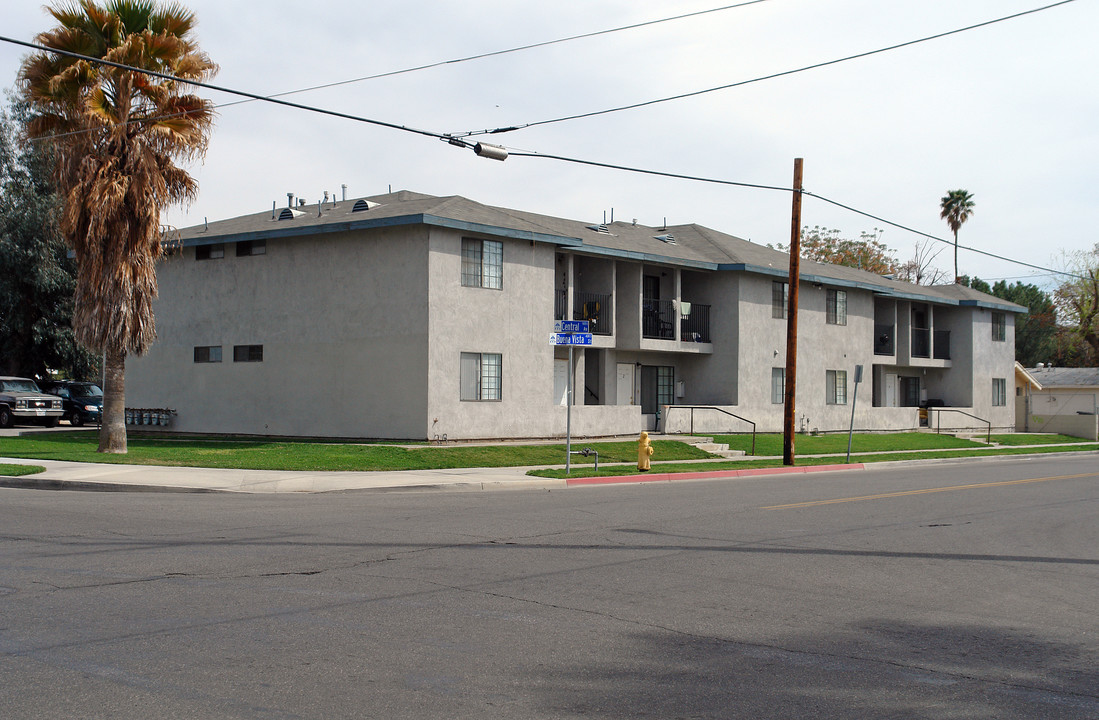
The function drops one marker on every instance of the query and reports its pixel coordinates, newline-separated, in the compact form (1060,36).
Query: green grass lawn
(771,443)
(12,470)
(284,455)
(1034,439)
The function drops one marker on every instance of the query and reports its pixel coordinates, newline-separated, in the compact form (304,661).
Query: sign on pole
(571,326)
(571,339)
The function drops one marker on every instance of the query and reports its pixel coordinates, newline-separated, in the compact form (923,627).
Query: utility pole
(789,415)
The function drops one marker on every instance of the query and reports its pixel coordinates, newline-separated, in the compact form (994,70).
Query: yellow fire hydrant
(644,452)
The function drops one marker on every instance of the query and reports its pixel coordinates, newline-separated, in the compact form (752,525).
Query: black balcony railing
(597,309)
(658,319)
(942,345)
(883,340)
(695,326)
(560,304)
(921,343)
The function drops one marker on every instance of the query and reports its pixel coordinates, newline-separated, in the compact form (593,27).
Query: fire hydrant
(644,452)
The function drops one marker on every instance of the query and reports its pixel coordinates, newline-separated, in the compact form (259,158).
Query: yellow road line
(904,493)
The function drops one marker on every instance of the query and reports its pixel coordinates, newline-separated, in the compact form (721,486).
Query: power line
(716,181)
(784,73)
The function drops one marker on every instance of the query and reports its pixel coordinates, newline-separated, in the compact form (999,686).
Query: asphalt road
(955,590)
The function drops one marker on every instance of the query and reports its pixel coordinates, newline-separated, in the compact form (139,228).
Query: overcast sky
(1008,112)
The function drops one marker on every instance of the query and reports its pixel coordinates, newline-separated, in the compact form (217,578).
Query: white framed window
(836,304)
(780,299)
(483,263)
(481,376)
(247,353)
(999,327)
(778,386)
(215,251)
(835,387)
(208,353)
(999,392)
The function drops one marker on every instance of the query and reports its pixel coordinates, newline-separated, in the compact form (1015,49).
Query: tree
(37,277)
(117,135)
(919,270)
(1078,304)
(826,246)
(957,206)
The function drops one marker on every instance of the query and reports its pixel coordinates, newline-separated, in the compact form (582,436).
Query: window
(665,385)
(482,263)
(210,252)
(251,247)
(999,326)
(835,387)
(481,375)
(780,299)
(999,392)
(247,353)
(208,354)
(837,307)
(778,386)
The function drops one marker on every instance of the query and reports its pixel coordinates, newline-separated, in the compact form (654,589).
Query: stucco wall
(515,321)
(343,324)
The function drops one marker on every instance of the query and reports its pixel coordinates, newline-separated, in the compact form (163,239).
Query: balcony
(597,309)
(883,340)
(658,319)
(560,304)
(921,342)
(942,345)
(695,326)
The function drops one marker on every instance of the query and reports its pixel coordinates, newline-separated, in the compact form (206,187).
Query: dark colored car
(21,401)
(82,402)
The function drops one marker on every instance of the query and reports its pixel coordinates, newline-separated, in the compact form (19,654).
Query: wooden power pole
(788,416)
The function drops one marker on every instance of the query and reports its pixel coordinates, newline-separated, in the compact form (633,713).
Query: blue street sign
(570,339)
(571,326)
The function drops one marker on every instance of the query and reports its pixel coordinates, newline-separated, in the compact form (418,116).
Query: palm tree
(118,134)
(957,206)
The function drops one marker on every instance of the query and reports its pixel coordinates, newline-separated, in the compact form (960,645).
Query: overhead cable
(772,76)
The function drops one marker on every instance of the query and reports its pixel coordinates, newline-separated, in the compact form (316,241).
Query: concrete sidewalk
(61,475)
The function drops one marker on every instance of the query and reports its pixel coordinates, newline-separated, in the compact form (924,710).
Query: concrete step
(720,449)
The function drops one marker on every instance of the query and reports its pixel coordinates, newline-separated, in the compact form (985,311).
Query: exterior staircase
(720,449)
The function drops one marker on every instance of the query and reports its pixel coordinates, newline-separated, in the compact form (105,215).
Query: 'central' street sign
(571,326)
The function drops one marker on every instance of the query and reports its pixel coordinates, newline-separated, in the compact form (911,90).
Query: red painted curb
(712,475)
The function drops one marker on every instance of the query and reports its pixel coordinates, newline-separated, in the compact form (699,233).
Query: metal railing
(941,349)
(695,326)
(692,408)
(939,419)
(597,309)
(560,304)
(883,340)
(921,342)
(658,319)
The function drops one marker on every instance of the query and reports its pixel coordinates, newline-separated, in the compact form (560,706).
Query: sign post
(854,398)
(570,333)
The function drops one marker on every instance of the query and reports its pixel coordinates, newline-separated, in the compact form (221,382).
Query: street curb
(713,475)
(32,482)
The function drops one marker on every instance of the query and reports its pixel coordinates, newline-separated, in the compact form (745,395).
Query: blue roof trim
(649,257)
(291,230)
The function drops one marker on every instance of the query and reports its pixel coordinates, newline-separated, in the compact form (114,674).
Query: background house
(411,316)
(1060,400)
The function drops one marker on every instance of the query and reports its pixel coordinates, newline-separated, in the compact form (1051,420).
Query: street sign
(570,339)
(571,326)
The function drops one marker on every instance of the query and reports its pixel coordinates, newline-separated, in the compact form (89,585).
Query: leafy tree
(1077,301)
(827,246)
(957,206)
(117,135)
(37,278)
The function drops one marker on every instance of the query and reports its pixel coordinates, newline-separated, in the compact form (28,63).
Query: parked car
(81,402)
(22,401)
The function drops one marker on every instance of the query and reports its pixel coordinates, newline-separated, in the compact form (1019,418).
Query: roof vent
(669,238)
(602,229)
(289,214)
(363,206)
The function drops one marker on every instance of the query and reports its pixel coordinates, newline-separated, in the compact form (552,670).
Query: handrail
(938,425)
(692,408)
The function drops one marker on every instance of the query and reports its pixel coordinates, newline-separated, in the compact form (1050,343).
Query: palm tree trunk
(956,278)
(112,434)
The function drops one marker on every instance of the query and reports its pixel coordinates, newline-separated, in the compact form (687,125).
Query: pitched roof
(691,246)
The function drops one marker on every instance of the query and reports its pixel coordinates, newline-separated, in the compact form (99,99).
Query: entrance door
(625,392)
(890,390)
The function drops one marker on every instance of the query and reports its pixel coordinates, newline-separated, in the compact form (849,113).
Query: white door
(625,384)
(560,381)
(890,391)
